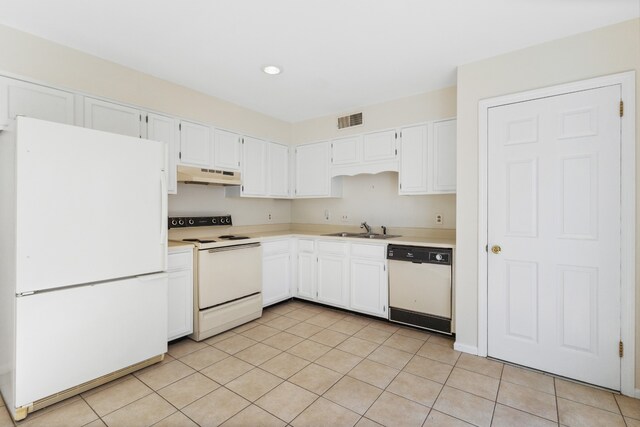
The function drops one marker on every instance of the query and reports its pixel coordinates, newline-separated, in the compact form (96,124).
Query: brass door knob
(496,249)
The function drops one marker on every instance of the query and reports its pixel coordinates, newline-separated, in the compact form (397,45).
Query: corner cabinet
(312,175)
(180,269)
(428,158)
(276,271)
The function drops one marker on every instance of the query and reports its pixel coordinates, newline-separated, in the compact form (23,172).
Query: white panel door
(104,213)
(195,144)
(413,160)
(163,129)
(110,117)
(379,146)
(333,279)
(312,169)
(254,167)
(226,150)
(278,170)
(18,98)
(554,209)
(70,336)
(443,157)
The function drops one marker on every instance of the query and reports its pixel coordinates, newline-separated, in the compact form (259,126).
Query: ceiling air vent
(349,121)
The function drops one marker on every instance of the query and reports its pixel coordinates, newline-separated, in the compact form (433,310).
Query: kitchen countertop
(437,242)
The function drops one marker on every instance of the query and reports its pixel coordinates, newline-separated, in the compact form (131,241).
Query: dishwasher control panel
(419,254)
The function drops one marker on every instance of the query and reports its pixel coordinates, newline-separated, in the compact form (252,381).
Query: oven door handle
(234,247)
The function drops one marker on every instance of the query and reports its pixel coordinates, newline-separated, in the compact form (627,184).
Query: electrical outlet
(344,217)
(270,216)
(439,219)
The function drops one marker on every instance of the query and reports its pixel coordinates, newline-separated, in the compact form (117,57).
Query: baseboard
(636,393)
(465,348)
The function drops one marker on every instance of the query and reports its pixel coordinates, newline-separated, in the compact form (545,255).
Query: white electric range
(227,277)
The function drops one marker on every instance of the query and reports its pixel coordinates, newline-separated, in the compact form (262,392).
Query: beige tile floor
(307,365)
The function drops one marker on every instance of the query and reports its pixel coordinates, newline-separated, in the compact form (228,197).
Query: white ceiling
(337,55)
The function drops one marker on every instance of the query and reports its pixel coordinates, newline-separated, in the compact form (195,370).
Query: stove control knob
(439,257)
(181,222)
(214,221)
(174,222)
(191,222)
(228,220)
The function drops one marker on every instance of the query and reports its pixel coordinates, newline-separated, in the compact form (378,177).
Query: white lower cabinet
(306,274)
(344,274)
(368,280)
(180,269)
(276,271)
(333,273)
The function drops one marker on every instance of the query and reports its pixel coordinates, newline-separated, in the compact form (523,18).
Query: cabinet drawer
(275,247)
(368,251)
(332,248)
(305,245)
(179,261)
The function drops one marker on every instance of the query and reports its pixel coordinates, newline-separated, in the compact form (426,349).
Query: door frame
(627,210)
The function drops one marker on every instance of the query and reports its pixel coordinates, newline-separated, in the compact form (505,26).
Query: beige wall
(604,51)
(374,198)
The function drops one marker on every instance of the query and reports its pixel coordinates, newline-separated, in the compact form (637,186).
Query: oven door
(228,273)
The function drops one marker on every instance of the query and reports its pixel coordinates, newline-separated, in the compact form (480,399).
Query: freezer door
(91,205)
(70,336)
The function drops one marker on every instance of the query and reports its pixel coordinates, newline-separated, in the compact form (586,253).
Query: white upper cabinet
(111,117)
(428,158)
(20,98)
(165,129)
(226,150)
(195,144)
(278,170)
(413,160)
(346,151)
(254,167)
(312,172)
(379,146)
(444,157)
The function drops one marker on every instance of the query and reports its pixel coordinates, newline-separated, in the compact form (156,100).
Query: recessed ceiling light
(271,69)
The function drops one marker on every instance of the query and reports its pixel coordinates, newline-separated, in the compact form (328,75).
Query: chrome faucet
(366,227)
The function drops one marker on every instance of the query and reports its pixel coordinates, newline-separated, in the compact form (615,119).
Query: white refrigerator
(83,250)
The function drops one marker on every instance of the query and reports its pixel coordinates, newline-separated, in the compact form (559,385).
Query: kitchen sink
(363,235)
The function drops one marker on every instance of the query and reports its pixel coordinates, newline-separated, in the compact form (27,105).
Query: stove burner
(232,237)
(199,240)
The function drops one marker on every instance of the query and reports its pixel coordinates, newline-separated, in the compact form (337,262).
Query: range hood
(195,175)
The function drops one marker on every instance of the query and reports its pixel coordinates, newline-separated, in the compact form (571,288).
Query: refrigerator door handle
(163,208)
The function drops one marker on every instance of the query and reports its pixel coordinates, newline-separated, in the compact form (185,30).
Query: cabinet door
(369,287)
(195,145)
(333,280)
(180,304)
(307,275)
(254,167)
(346,151)
(18,98)
(110,117)
(226,150)
(276,284)
(443,157)
(312,169)
(413,160)
(379,146)
(162,128)
(278,170)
